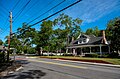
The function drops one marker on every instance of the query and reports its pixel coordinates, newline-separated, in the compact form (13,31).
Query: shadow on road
(31,74)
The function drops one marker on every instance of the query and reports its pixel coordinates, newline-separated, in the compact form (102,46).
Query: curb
(81,62)
(99,64)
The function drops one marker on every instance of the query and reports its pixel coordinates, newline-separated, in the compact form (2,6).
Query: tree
(44,36)
(89,31)
(95,31)
(71,26)
(25,34)
(1,42)
(113,33)
(58,39)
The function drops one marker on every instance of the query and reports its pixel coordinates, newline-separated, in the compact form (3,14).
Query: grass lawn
(114,61)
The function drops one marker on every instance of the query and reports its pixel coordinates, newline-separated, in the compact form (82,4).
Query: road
(41,68)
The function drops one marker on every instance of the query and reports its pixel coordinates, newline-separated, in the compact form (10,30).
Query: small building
(89,44)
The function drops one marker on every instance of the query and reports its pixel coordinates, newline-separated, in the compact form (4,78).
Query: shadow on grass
(31,74)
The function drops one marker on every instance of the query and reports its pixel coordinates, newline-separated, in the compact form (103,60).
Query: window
(80,41)
(84,40)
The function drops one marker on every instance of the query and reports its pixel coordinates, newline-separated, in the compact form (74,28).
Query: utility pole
(9,36)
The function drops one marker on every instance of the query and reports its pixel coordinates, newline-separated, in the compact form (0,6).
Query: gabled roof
(93,40)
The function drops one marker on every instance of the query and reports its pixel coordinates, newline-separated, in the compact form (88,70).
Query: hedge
(94,55)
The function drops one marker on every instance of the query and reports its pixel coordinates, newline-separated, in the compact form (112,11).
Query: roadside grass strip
(67,65)
(31,57)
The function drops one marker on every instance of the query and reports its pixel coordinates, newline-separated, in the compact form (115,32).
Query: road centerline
(67,65)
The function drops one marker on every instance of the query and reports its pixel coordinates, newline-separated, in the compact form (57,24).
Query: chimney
(104,39)
(103,34)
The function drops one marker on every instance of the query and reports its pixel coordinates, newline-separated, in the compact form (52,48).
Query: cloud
(95,9)
(92,10)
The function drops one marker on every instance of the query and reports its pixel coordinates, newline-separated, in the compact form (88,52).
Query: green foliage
(43,37)
(1,42)
(23,38)
(71,26)
(113,55)
(94,55)
(31,51)
(94,31)
(89,31)
(55,39)
(2,57)
(113,33)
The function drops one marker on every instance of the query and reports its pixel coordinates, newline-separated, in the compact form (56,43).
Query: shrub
(2,57)
(94,55)
(113,55)
(103,56)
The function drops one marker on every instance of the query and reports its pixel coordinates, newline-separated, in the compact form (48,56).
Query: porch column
(100,50)
(67,50)
(90,49)
(41,50)
(74,53)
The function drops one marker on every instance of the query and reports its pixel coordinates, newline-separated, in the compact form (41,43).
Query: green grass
(114,61)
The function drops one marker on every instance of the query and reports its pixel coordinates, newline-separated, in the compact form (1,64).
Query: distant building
(89,44)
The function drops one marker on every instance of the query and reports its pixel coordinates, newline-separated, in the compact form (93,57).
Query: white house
(89,44)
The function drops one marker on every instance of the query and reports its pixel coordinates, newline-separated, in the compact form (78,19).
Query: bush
(2,57)
(103,56)
(67,54)
(94,55)
(113,55)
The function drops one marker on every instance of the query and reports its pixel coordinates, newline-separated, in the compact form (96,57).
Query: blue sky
(92,12)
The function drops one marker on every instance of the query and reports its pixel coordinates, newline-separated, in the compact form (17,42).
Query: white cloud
(92,10)
(97,9)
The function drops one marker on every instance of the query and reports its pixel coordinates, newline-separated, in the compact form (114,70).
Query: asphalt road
(40,68)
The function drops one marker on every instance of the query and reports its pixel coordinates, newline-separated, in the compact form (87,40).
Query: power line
(4,11)
(4,8)
(16,5)
(54,13)
(57,12)
(2,16)
(5,23)
(5,29)
(30,7)
(42,8)
(22,9)
(47,11)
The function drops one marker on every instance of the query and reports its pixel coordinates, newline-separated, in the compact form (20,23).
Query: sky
(92,12)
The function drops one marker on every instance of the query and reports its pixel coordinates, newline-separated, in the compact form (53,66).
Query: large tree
(44,36)
(58,39)
(113,33)
(70,25)
(25,34)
